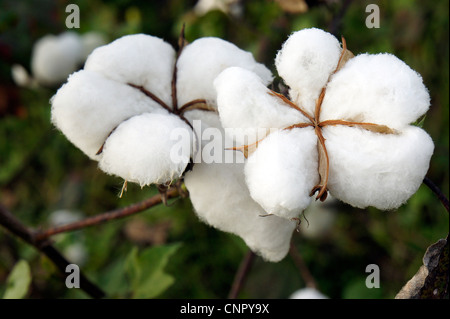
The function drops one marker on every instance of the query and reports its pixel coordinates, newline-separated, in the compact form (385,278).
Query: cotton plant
(346,128)
(124,107)
(55,57)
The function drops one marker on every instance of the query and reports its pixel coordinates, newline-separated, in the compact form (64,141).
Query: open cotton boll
(282,171)
(139,59)
(221,199)
(244,103)
(89,106)
(55,57)
(202,60)
(308,293)
(305,62)
(373,169)
(379,89)
(146,149)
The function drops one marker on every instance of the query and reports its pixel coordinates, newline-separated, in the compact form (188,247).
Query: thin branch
(151,95)
(241,274)
(13,225)
(441,196)
(102,218)
(301,265)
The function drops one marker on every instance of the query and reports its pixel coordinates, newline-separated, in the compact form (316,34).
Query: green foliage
(18,281)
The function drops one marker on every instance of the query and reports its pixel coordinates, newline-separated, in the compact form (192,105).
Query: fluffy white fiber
(244,103)
(283,170)
(372,169)
(55,57)
(138,59)
(377,88)
(139,149)
(308,293)
(221,199)
(202,60)
(305,62)
(89,106)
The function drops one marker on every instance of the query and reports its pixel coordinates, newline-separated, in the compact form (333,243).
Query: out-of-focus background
(44,179)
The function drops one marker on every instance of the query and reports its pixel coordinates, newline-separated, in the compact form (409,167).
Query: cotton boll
(202,60)
(305,62)
(245,103)
(139,59)
(20,75)
(281,173)
(89,106)
(378,89)
(373,169)
(148,149)
(221,199)
(55,57)
(308,293)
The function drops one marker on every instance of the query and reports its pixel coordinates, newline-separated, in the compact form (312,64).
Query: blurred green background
(167,252)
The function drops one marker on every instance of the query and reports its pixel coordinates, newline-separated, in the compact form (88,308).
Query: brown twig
(13,225)
(102,218)
(438,192)
(241,274)
(301,265)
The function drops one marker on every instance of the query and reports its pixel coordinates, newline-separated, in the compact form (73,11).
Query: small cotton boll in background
(232,7)
(89,106)
(305,62)
(378,89)
(244,102)
(144,149)
(203,60)
(139,59)
(21,77)
(282,171)
(64,216)
(55,57)
(308,293)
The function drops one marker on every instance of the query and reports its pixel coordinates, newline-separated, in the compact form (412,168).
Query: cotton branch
(111,215)
(437,191)
(241,274)
(11,223)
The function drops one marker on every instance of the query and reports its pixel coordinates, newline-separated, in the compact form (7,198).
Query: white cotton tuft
(20,75)
(379,89)
(245,105)
(148,149)
(55,57)
(373,169)
(308,293)
(139,59)
(202,60)
(221,199)
(88,107)
(281,173)
(305,62)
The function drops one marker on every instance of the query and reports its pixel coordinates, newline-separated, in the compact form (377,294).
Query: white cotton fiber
(141,149)
(379,89)
(244,103)
(281,173)
(55,57)
(89,106)
(202,60)
(308,293)
(138,59)
(373,169)
(221,199)
(305,62)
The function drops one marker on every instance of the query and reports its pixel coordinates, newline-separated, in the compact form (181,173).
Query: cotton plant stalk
(345,128)
(133,93)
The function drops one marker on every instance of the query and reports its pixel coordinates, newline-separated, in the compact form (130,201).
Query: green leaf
(18,281)
(146,270)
